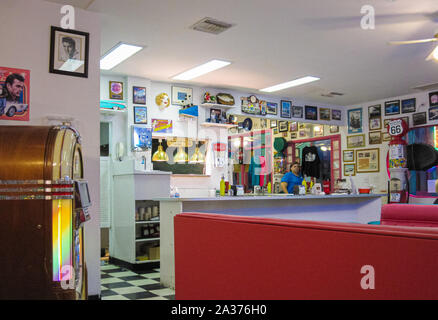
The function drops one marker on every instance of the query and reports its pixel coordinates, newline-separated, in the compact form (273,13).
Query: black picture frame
(283,126)
(297,112)
(433,99)
(419,118)
(375,111)
(285,108)
(65,57)
(272,108)
(336,114)
(433,114)
(136,99)
(392,107)
(409,105)
(311,113)
(140,115)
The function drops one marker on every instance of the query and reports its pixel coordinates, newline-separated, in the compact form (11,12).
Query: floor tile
(154,286)
(105,293)
(131,278)
(123,274)
(171,297)
(110,280)
(128,290)
(155,275)
(163,292)
(155,298)
(115,285)
(117,297)
(139,295)
(142,282)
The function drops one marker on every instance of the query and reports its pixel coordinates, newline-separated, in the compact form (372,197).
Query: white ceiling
(276,41)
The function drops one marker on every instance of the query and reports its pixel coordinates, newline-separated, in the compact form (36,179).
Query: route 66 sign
(397,128)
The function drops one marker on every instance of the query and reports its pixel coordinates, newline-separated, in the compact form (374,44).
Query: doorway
(329,152)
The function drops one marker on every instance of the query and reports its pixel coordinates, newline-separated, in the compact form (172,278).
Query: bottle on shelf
(269,187)
(222,186)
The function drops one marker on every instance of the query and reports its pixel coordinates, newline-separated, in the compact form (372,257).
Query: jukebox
(43,206)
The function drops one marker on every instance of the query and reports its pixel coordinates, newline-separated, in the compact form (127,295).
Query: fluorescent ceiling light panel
(435,53)
(290,84)
(201,70)
(118,54)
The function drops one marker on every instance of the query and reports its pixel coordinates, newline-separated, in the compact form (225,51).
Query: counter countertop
(275,197)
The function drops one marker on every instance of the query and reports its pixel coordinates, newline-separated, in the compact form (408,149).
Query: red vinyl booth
(221,257)
(413,215)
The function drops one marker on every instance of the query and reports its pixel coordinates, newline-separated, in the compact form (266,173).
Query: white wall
(380,180)
(25,45)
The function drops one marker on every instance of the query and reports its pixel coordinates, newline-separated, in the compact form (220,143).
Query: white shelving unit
(216,105)
(135,189)
(219,125)
(112,112)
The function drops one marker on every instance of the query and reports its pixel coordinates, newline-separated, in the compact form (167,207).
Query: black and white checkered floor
(118,283)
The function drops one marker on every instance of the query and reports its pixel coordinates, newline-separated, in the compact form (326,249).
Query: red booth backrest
(228,257)
(413,215)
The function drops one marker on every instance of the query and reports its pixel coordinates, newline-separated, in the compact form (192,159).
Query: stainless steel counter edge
(274,197)
(137,172)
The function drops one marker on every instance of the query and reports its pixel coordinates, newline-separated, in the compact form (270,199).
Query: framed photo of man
(14,94)
(69,52)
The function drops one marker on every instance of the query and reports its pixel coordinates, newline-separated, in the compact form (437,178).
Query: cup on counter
(212,193)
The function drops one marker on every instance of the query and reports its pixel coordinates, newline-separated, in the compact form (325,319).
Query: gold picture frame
(348,155)
(356,141)
(349,169)
(368,160)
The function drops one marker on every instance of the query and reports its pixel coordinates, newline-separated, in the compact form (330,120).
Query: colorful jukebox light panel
(62,239)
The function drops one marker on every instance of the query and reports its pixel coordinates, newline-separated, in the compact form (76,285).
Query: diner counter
(359,208)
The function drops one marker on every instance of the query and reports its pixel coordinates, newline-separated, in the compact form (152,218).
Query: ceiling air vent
(210,25)
(427,87)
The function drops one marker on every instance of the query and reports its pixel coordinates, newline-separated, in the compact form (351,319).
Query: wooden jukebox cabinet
(43,205)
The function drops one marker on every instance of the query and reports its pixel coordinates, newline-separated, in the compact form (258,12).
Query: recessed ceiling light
(118,54)
(201,70)
(289,84)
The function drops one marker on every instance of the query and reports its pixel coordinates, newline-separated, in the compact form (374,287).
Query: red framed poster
(14,94)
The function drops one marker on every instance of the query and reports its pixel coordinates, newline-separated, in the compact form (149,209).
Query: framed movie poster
(138,95)
(69,52)
(116,90)
(286,109)
(367,160)
(14,94)
(140,115)
(311,113)
(355,120)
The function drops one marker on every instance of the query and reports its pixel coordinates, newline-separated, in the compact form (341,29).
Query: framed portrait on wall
(355,120)
(367,160)
(69,52)
(285,109)
(294,126)
(15,94)
(297,111)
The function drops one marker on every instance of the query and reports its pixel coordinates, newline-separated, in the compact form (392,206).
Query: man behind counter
(292,178)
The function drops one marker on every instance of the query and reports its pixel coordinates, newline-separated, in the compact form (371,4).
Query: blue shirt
(291,180)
